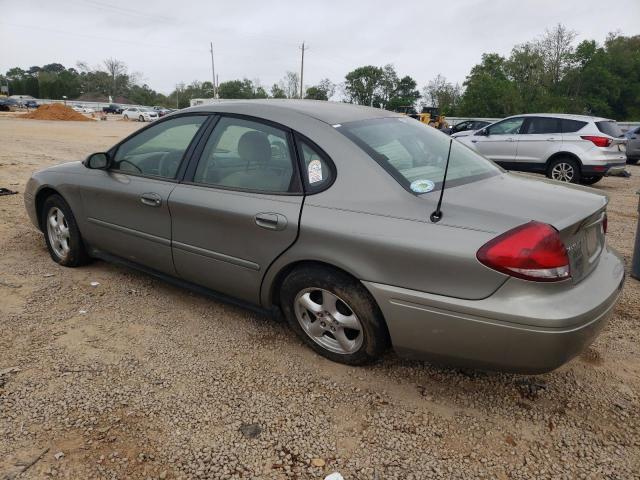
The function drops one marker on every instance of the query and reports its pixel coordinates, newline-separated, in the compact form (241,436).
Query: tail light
(597,140)
(533,251)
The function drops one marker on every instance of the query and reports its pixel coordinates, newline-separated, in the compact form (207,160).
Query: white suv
(569,148)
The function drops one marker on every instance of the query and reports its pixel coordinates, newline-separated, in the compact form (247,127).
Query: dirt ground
(134,378)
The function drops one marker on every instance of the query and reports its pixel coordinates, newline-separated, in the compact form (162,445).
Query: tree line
(548,74)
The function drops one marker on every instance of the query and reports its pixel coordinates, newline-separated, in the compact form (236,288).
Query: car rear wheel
(590,180)
(334,314)
(632,161)
(564,169)
(62,234)
(141,118)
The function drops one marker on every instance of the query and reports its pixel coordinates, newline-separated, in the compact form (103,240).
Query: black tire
(125,117)
(590,180)
(141,118)
(564,164)
(77,254)
(353,295)
(632,161)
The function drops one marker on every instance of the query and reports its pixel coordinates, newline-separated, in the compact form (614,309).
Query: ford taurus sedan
(328,213)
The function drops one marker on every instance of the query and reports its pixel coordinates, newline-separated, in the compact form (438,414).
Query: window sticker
(314,170)
(422,186)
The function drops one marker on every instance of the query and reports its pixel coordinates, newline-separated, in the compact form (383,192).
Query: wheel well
(41,196)
(557,155)
(282,274)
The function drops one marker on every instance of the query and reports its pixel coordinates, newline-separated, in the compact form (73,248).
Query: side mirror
(483,132)
(97,161)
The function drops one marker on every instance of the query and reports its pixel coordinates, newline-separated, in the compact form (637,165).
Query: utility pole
(303,48)
(213,73)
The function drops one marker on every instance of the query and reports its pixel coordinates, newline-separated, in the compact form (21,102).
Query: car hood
(505,201)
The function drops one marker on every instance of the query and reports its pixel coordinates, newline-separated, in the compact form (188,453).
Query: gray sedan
(329,213)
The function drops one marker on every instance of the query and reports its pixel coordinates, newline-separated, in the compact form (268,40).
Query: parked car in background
(141,114)
(322,210)
(31,104)
(569,148)
(633,145)
(113,108)
(7,104)
(84,108)
(466,128)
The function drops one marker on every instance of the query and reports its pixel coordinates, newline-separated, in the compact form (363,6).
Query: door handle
(271,221)
(551,139)
(151,199)
(508,139)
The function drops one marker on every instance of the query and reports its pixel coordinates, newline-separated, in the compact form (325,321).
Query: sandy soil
(135,378)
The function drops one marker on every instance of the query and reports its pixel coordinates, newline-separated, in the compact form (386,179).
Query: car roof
(568,116)
(329,112)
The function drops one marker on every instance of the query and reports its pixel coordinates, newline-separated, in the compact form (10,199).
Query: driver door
(126,206)
(500,143)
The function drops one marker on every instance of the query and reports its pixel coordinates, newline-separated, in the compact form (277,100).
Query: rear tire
(590,180)
(334,314)
(61,233)
(564,169)
(632,161)
(141,118)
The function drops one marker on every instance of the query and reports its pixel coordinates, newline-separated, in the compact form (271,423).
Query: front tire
(126,117)
(564,169)
(141,118)
(61,233)
(334,314)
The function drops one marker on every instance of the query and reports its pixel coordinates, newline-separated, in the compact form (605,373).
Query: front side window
(158,150)
(540,125)
(246,155)
(415,154)
(461,127)
(510,126)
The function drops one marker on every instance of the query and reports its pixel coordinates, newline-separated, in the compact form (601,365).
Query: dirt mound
(56,111)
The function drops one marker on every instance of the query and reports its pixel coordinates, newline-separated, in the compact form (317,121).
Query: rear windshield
(609,127)
(415,154)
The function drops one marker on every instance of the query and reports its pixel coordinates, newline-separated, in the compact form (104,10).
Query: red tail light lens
(532,251)
(597,140)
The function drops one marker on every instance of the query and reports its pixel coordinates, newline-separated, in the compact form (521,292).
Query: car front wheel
(61,233)
(126,117)
(334,314)
(564,170)
(590,180)
(141,118)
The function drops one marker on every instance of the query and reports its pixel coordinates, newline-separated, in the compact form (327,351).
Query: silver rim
(563,172)
(58,232)
(328,320)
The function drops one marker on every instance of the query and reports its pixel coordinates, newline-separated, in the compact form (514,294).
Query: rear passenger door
(541,137)
(238,207)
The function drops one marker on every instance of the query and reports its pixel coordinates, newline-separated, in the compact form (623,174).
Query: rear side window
(570,126)
(317,171)
(246,155)
(609,127)
(539,125)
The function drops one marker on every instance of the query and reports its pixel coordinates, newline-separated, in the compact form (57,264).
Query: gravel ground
(134,378)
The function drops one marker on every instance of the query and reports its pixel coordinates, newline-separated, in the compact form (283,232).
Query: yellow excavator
(428,115)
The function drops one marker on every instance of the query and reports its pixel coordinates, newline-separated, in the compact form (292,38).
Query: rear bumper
(524,327)
(604,169)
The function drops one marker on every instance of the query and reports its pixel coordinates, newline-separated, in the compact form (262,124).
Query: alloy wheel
(58,232)
(563,172)
(328,320)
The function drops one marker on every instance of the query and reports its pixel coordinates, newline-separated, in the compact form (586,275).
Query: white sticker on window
(314,170)
(422,186)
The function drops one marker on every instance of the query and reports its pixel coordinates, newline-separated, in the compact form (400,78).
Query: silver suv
(569,148)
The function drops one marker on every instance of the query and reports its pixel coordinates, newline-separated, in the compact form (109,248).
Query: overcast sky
(167,41)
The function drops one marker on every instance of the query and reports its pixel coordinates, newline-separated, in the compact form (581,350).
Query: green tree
(236,89)
(277,91)
(362,85)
